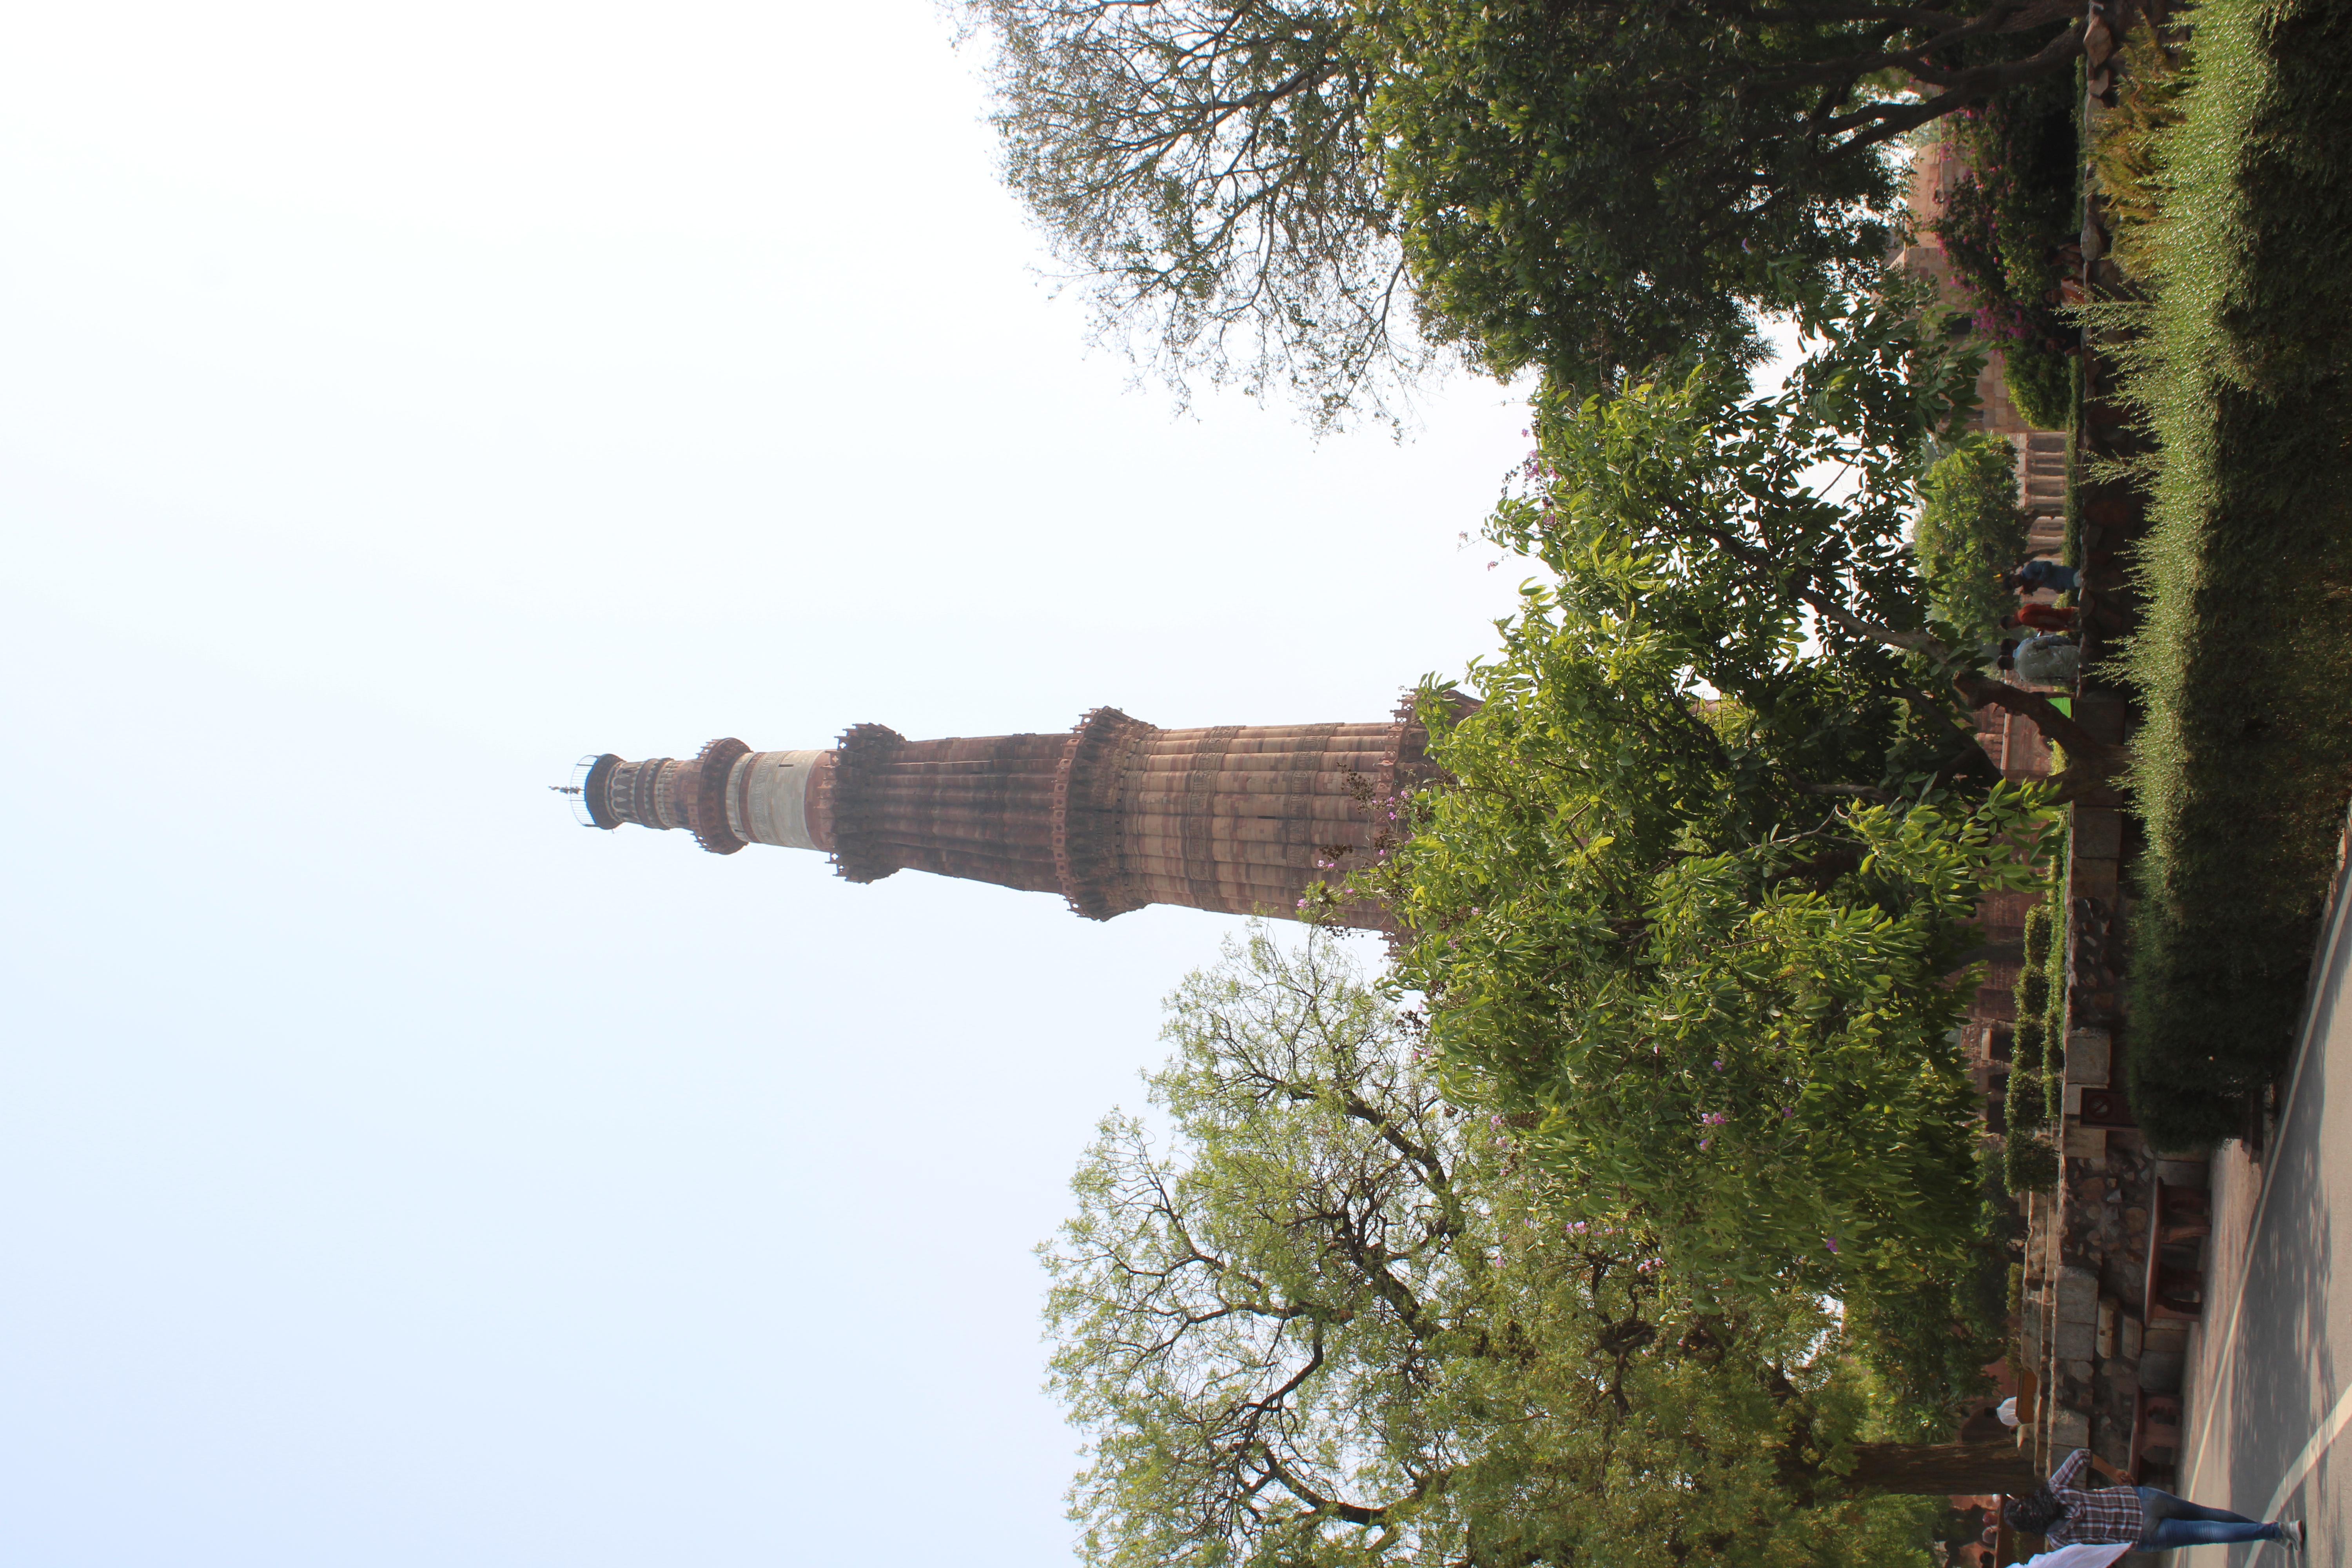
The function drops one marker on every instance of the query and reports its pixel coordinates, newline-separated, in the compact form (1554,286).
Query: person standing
(2042,573)
(2042,617)
(2065,1514)
(2048,659)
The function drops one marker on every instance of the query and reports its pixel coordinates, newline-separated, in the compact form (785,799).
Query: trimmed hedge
(1969,530)
(2037,1065)
(2243,761)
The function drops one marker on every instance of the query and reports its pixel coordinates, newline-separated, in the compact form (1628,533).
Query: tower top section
(1113,814)
(728,797)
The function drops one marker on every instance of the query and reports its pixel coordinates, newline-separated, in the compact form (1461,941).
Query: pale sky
(397,402)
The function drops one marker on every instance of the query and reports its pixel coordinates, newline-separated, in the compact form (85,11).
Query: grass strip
(2243,763)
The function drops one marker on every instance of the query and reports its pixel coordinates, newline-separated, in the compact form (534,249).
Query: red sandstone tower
(1114,815)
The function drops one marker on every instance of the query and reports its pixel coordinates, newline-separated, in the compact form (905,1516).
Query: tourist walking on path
(2065,1514)
(2048,659)
(2042,617)
(2042,573)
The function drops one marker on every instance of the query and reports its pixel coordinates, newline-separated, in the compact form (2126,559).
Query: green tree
(1695,901)
(1337,1322)
(1694,982)
(1245,186)
(1970,530)
(1762,539)
(1203,165)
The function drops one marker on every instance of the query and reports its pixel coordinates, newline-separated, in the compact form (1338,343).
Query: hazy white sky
(395,403)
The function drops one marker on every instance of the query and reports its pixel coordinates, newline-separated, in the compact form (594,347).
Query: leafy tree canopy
(1303,195)
(1695,903)
(1204,166)
(1763,538)
(1337,1322)
(1969,532)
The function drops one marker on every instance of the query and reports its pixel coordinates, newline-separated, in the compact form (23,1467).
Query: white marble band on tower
(767,797)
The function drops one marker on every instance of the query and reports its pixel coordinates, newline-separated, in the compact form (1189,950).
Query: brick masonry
(1113,814)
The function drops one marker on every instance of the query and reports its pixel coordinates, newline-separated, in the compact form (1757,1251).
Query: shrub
(2034,991)
(1971,529)
(2052,974)
(2243,662)
(2026,1046)
(2027,1099)
(2004,227)
(2040,382)
(2124,155)
(2037,934)
(2031,1166)
(2037,1062)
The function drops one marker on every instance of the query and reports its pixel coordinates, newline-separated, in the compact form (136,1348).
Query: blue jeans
(2176,1521)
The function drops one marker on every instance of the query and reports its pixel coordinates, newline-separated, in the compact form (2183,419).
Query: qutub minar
(1114,815)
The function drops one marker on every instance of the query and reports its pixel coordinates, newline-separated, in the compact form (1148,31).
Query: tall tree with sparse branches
(1306,195)
(1204,166)
(1333,1320)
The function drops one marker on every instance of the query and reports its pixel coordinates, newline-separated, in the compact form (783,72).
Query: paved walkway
(2270,1373)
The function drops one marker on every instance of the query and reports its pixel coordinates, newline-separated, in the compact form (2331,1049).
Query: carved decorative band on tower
(1113,816)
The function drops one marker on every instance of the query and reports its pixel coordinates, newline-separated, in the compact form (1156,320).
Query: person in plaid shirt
(2065,1514)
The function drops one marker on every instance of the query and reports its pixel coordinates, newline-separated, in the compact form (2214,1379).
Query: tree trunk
(1941,1470)
(2084,752)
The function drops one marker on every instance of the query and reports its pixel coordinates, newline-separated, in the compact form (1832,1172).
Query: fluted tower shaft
(1114,815)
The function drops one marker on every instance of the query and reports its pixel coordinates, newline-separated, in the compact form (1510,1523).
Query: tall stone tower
(1114,815)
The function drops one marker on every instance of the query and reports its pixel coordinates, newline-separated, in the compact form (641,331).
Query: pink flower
(1829,1242)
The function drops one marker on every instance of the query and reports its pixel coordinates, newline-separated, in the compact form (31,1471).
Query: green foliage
(2003,227)
(1592,221)
(2033,991)
(2027,1105)
(1699,515)
(2029,1045)
(2154,77)
(2037,1069)
(2032,1165)
(1689,908)
(2039,923)
(1589,189)
(1971,529)
(1743,1023)
(2040,381)
(1335,1322)
(1205,166)
(1930,1343)
(2053,990)
(2243,761)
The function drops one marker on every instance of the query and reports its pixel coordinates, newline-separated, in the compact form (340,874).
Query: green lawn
(2244,762)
